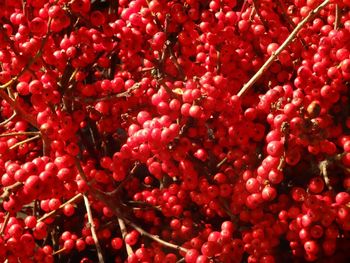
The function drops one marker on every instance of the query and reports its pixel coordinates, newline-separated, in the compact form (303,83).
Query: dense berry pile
(138,131)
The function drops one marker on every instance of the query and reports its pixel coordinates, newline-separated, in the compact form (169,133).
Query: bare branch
(115,207)
(124,232)
(93,230)
(274,56)
(257,10)
(51,213)
(8,190)
(24,141)
(19,134)
(8,120)
(4,224)
(18,108)
(153,237)
(337,17)
(323,166)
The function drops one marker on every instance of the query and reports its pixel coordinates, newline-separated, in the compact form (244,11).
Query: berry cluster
(171,131)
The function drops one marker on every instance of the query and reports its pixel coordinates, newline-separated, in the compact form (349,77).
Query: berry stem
(38,53)
(123,94)
(8,119)
(8,190)
(93,230)
(31,62)
(287,18)
(24,141)
(114,206)
(323,169)
(337,17)
(289,39)
(221,162)
(59,251)
(124,232)
(18,109)
(7,84)
(19,134)
(153,237)
(51,213)
(257,10)
(4,224)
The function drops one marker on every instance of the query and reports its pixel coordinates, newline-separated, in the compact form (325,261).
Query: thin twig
(141,205)
(93,230)
(19,134)
(221,162)
(8,190)
(38,53)
(287,18)
(18,108)
(80,170)
(174,60)
(9,40)
(130,175)
(123,94)
(323,166)
(31,62)
(274,56)
(59,251)
(4,224)
(124,233)
(8,119)
(337,17)
(119,95)
(51,213)
(115,207)
(257,10)
(24,141)
(153,237)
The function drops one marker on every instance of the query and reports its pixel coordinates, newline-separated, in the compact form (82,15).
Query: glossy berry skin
(170,131)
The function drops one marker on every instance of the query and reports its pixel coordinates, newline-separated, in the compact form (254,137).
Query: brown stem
(120,95)
(38,53)
(337,17)
(257,10)
(31,62)
(323,165)
(19,134)
(124,232)
(59,251)
(24,141)
(274,56)
(18,108)
(8,120)
(287,18)
(9,40)
(221,162)
(7,84)
(123,94)
(115,207)
(93,230)
(4,224)
(8,190)
(51,213)
(153,237)
(119,187)
(281,164)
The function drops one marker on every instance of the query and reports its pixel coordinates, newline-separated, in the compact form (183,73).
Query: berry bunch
(168,131)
